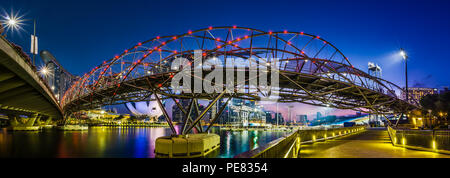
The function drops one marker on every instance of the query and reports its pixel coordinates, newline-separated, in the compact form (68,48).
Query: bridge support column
(49,119)
(13,120)
(218,114)
(30,122)
(27,126)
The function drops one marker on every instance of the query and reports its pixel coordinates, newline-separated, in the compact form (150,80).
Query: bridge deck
(373,143)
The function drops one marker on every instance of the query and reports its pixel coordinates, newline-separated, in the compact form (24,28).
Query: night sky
(81,34)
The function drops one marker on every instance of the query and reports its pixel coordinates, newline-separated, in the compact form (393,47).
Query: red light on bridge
(189,32)
(210,27)
(163,43)
(235,45)
(246,36)
(217,39)
(238,39)
(204,54)
(171,76)
(175,51)
(285,31)
(126,51)
(159,85)
(317,37)
(117,57)
(270,32)
(174,37)
(301,33)
(123,62)
(234,26)
(219,46)
(139,44)
(157,37)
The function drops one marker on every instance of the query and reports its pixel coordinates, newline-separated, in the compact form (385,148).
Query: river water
(116,142)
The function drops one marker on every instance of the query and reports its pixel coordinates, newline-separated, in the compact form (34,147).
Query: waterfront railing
(427,140)
(289,146)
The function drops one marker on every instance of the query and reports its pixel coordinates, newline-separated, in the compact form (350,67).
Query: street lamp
(405,57)
(44,71)
(12,21)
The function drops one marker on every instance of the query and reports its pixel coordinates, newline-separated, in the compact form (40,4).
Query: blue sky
(82,34)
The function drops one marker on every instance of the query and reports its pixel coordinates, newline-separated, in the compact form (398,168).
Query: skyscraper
(416,93)
(302,119)
(319,115)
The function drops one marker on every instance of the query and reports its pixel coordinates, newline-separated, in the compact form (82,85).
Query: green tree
(439,104)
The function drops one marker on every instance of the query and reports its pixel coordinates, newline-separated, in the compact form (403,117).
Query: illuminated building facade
(416,93)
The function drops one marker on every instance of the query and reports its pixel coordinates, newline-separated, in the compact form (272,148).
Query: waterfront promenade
(373,143)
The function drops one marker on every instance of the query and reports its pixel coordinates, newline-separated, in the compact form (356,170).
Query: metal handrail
(286,147)
(427,140)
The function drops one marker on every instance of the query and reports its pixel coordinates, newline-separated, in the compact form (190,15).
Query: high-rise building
(319,115)
(374,69)
(302,119)
(416,93)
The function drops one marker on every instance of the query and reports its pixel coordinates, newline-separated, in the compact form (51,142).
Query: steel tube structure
(312,71)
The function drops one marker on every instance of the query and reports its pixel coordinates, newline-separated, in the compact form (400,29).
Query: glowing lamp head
(403,53)
(12,22)
(44,71)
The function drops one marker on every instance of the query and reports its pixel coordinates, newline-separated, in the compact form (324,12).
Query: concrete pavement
(373,143)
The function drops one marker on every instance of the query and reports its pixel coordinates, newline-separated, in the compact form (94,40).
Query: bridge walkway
(373,143)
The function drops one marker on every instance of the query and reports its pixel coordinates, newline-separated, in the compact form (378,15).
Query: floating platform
(25,128)
(186,146)
(47,126)
(72,127)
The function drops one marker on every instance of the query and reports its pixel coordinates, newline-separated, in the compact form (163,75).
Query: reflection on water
(133,142)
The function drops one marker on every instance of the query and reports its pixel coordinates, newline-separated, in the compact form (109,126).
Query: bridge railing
(428,140)
(290,145)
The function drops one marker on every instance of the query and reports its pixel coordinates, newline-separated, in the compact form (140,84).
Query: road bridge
(22,90)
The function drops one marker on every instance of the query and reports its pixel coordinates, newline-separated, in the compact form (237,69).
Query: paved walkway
(373,143)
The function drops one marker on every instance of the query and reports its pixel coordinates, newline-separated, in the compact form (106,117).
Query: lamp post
(405,57)
(14,22)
